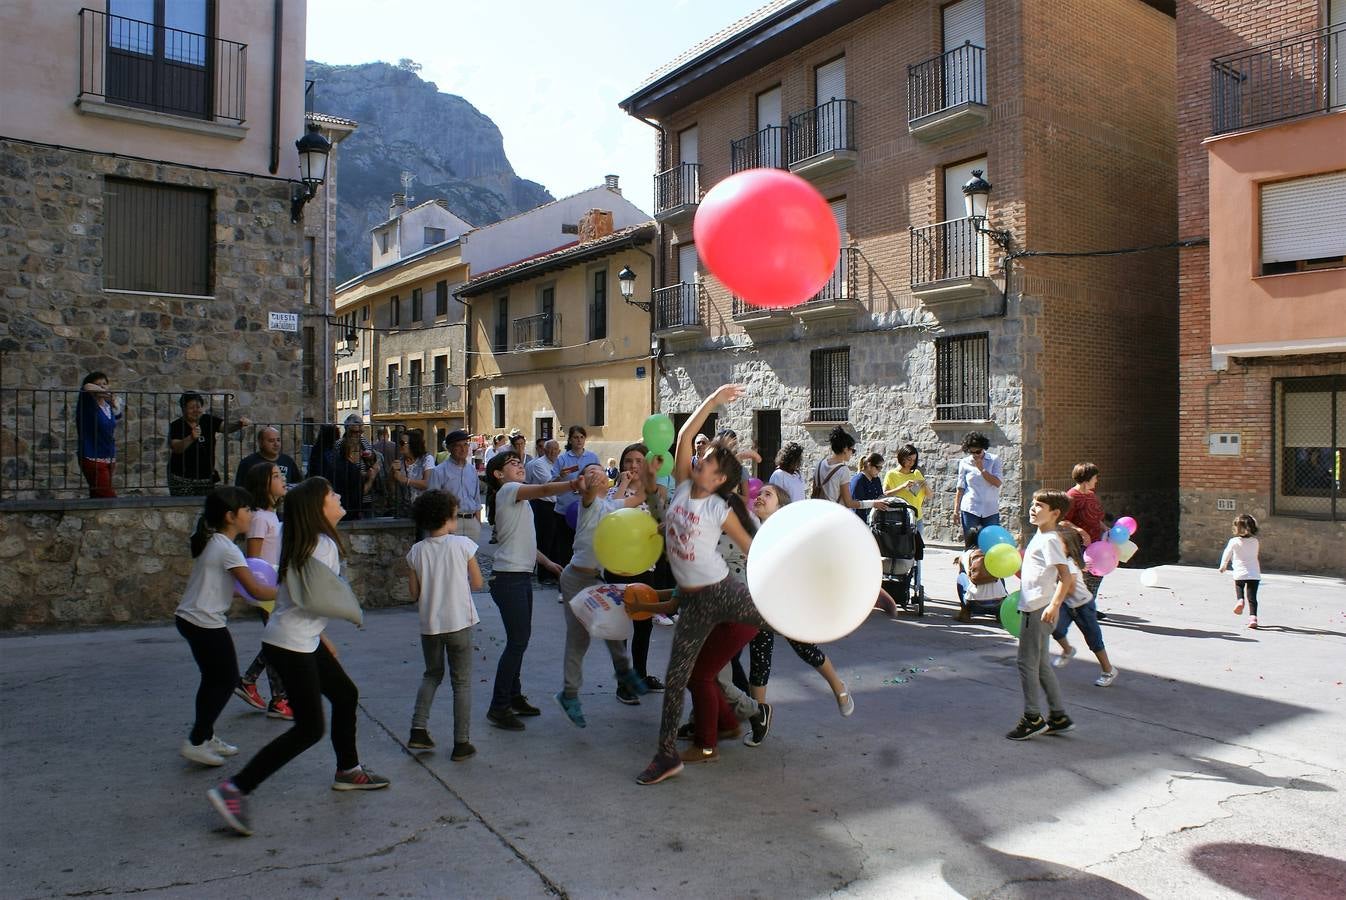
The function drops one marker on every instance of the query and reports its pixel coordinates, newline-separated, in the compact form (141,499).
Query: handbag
(318,591)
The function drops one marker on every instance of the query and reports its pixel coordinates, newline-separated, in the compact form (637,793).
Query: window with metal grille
(1310,436)
(441,298)
(830,384)
(501,325)
(962,386)
(416,305)
(598,306)
(157,238)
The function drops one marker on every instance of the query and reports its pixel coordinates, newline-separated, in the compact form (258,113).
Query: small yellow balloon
(627,542)
(1003,560)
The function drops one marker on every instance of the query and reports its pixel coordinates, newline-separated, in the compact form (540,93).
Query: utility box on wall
(1224,443)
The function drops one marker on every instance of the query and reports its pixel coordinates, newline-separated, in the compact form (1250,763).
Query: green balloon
(666,468)
(658,433)
(1009,613)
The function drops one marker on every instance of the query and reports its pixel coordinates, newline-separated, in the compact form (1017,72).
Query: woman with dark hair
(96,418)
(191,444)
(977,498)
(411,468)
(569,465)
(829,476)
(786,477)
(352,477)
(320,454)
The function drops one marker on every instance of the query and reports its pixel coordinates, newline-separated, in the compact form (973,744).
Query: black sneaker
(626,695)
(1027,728)
(505,719)
(760,724)
(358,779)
(232,807)
(687,732)
(522,707)
(462,751)
(1059,724)
(420,740)
(653,684)
(660,767)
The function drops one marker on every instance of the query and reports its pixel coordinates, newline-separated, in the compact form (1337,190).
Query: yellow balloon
(628,542)
(1003,560)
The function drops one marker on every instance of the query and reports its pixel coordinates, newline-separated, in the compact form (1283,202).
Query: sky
(548,74)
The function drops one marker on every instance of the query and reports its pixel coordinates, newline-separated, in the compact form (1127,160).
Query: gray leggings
(457,646)
(1035,665)
(699,611)
(577,636)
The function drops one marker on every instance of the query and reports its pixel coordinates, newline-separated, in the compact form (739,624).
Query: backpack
(976,568)
(818,485)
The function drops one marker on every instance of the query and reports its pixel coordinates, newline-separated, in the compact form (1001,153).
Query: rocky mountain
(406,124)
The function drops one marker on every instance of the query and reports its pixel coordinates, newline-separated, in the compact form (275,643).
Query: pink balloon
(769,236)
(754,488)
(262,571)
(1100,557)
(1128,523)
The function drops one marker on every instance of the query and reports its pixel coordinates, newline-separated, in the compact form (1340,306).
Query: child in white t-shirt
(1241,555)
(265,483)
(444,573)
(1045,583)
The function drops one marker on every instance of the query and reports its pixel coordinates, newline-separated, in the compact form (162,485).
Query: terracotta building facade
(1262,173)
(926,330)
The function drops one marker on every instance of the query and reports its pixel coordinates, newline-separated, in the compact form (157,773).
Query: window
(310,361)
(501,325)
(498,403)
(830,385)
(1310,441)
(395,311)
(364,376)
(547,300)
(434,236)
(1304,224)
(364,314)
(310,252)
(598,306)
(159,55)
(158,238)
(416,305)
(598,404)
(441,298)
(383,240)
(962,387)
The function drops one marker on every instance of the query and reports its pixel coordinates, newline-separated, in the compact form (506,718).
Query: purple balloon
(1100,557)
(572,516)
(754,488)
(1129,524)
(262,571)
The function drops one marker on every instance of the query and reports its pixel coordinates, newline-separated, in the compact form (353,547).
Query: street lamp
(348,344)
(976,193)
(626,280)
(313,150)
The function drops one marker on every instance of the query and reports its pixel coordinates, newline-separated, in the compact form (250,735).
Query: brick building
(1262,172)
(888,108)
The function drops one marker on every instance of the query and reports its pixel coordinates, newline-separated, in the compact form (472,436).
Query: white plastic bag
(601,612)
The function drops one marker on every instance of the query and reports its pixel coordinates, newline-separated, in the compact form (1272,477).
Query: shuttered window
(1303,220)
(1310,423)
(157,238)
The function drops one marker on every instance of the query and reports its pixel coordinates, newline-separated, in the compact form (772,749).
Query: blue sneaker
(571,707)
(634,682)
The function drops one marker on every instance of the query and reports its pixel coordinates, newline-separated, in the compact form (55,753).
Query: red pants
(99,476)
(710,711)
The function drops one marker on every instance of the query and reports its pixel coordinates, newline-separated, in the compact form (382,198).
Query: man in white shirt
(458,476)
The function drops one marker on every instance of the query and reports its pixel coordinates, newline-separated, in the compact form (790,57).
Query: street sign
(640,372)
(279,321)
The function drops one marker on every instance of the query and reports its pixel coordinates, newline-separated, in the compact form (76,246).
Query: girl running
(1241,554)
(202,616)
(265,483)
(295,645)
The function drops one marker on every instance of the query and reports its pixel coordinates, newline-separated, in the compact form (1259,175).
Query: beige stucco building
(553,345)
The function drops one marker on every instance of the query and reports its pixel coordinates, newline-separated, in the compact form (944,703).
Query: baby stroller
(894,528)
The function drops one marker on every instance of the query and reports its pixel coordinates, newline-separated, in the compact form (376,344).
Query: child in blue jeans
(1082,609)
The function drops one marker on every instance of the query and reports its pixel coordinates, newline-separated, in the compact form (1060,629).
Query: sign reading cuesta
(280,321)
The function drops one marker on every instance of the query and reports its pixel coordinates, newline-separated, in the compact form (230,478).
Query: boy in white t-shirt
(444,573)
(1046,582)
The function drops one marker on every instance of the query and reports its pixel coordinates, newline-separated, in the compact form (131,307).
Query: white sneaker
(661,619)
(201,753)
(1063,658)
(1106,678)
(845,703)
(223,748)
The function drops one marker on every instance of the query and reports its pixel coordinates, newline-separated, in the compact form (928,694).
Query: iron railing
(952,249)
(953,78)
(844,282)
(133,63)
(537,332)
(425,398)
(1280,80)
(40,446)
(679,306)
(827,128)
(679,186)
(962,381)
(830,384)
(764,149)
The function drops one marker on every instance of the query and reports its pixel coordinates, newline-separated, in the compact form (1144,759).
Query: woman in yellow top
(907,484)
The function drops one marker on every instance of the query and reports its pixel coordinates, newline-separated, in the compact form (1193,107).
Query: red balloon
(769,237)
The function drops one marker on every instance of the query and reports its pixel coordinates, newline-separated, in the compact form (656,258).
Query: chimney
(442,204)
(398,206)
(610,182)
(595,224)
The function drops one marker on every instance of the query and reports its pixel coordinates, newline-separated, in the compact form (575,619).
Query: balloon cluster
(1101,557)
(658,434)
(627,541)
(1002,556)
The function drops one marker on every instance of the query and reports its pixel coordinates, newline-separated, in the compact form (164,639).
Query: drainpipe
(278,34)
(656,266)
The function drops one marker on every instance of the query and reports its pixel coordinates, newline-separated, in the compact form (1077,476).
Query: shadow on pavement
(1259,871)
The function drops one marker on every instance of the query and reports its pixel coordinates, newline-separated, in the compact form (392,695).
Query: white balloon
(814,571)
(1150,577)
(1126,551)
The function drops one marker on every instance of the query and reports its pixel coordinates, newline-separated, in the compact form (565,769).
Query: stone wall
(85,563)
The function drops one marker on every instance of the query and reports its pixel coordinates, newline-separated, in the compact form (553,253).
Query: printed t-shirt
(691,534)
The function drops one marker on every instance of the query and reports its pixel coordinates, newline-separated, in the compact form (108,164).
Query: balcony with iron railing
(1281,80)
(948,93)
(539,332)
(139,71)
(839,297)
(822,139)
(754,319)
(677,191)
(952,265)
(763,149)
(680,312)
(438,397)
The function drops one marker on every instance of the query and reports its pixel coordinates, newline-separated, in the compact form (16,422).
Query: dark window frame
(498,414)
(441,299)
(1290,466)
(417,305)
(598,305)
(395,312)
(829,384)
(598,405)
(501,342)
(963,377)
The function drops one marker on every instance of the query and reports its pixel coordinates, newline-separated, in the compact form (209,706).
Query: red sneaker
(280,709)
(249,695)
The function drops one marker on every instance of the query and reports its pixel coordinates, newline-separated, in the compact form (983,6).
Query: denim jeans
(970,521)
(513,594)
(456,648)
(1085,616)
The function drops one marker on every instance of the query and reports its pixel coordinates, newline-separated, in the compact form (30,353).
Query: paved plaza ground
(1213,767)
